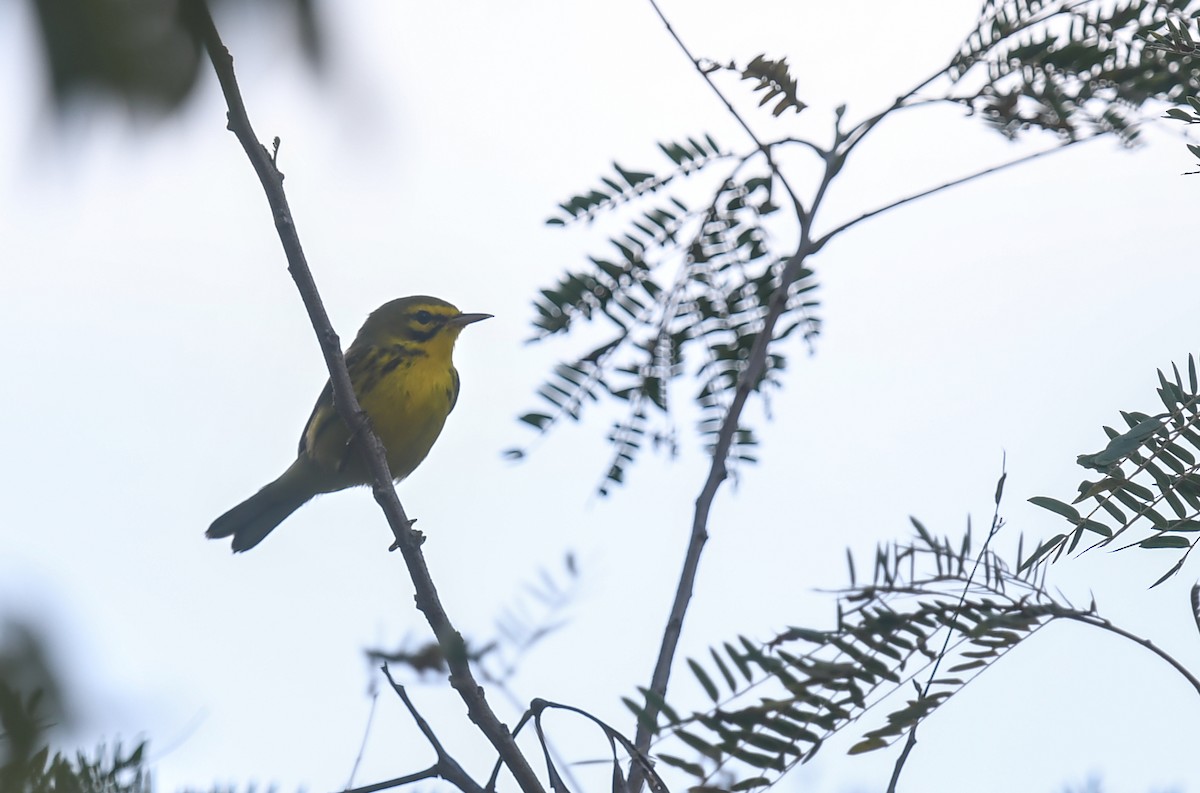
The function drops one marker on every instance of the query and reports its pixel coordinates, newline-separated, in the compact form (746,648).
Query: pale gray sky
(160,367)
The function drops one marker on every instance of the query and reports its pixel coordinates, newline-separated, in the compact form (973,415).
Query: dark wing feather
(367,366)
(323,413)
(453,394)
(325,399)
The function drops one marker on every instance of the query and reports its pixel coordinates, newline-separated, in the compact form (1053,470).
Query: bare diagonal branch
(407,540)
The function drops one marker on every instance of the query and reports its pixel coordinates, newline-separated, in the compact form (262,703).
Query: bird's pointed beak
(466,319)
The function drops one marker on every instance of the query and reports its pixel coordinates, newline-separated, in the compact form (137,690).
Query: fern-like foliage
(678,282)
(683,289)
(1179,40)
(774,80)
(1074,68)
(774,703)
(625,185)
(1149,479)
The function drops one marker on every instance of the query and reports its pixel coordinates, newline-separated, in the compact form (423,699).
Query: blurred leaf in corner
(31,701)
(138,55)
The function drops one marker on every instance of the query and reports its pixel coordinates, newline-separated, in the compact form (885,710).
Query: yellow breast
(408,393)
(408,408)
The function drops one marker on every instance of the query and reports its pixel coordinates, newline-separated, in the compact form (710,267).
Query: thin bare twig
(820,243)
(997,522)
(446,766)
(1095,620)
(555,755)
(765,149)
(526,717)
(407,779)
(718,471)
(407,540)
(638,758)
(717,474)
(362,747)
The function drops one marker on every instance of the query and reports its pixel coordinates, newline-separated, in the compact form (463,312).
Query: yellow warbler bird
(401,368)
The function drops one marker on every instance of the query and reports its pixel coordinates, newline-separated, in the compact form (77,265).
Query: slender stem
(407,779)
(849,140)
(856,135)
(911,742)
(498,684)
(1097,621)
(362,747)
(526,717)
(765,149)
(718,470)
(408,541)
(820,243)
(860,131)
(717,474)
(640,759)
(808,144)
(447,767)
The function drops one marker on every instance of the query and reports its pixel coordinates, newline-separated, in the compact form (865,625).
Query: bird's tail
(253,519)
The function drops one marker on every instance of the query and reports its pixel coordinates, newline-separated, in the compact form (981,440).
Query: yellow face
(423,322)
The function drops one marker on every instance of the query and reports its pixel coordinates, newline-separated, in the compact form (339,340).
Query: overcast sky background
(159,368)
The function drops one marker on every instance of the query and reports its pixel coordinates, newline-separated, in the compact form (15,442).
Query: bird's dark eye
(424,317)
